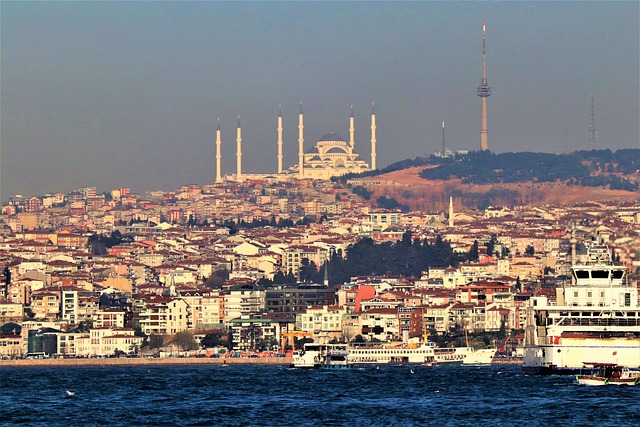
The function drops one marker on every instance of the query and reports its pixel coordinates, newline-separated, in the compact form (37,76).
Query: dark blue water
(276,396)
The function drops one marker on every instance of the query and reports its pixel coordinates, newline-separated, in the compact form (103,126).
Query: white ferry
(421,353)
(450,355)
(328,356)
(464,355)
(596,319)
(483,356)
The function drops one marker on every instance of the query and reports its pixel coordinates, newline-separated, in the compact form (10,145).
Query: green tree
(217,279)
(156,341)
(185,341)
(474,253)
(215,339)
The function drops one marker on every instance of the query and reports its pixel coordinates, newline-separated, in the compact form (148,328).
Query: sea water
(258,395)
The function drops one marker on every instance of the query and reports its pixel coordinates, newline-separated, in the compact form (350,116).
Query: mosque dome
(331,137)
(336,150)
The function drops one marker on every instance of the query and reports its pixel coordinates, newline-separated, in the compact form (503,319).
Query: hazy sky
(112,94)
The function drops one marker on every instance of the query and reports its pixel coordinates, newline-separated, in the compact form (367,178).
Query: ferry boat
(450,355)
(595,319)
(327,356)
(482,356)
(421,353)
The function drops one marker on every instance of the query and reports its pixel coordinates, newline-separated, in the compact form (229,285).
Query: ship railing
(597,321)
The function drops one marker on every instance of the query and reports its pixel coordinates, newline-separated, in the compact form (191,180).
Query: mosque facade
(330,156)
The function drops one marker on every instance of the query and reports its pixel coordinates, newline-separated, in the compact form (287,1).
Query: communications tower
(484,91)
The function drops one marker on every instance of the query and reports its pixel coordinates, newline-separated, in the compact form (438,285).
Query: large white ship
(595,319)
(405,353)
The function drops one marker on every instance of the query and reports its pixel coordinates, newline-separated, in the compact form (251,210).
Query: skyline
(128,94)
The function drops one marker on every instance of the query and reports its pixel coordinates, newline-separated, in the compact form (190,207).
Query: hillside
(509,180)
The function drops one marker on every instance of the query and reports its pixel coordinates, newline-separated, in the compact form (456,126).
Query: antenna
(593,133)
(484,91)
(443,146)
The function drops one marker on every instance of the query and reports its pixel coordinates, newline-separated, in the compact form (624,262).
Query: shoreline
(144,361)
(171,361)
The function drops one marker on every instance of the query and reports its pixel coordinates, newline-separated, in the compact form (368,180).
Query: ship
(464,355)
(326,356)
(594,319)
(420,353)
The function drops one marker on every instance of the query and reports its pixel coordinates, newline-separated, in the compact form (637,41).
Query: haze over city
(114,94)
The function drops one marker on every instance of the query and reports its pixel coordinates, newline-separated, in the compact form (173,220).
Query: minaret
(218,155)
(239,151)
(351,130)
(484,91)
(373,136)
(279,139)
(450,211)
(300,144)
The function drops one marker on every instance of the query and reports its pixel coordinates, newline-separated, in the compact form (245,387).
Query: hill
(478,180)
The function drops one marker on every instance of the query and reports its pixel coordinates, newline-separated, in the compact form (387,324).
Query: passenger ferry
(450,355)
(595,319)
(464,355)
(327,356)
(421,353)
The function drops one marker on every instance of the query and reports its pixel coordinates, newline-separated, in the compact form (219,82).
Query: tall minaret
(373,136)
(451,211)
(279,139)
(484,91)
(351,130)
(218,155)
(300,144)
(239,151)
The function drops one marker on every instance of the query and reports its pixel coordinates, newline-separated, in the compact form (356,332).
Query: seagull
(70,393)
(411,371)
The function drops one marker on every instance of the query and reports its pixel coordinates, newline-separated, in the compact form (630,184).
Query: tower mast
(443,146)
(484,91)
(593,134)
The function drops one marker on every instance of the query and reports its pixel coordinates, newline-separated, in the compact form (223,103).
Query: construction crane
(293,335)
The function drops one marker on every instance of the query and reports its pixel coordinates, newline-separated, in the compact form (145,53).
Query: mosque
(330,156)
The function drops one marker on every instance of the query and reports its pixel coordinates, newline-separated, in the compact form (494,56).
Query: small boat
(608,373)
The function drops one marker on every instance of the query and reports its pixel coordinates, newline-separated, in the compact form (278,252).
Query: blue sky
(113,94)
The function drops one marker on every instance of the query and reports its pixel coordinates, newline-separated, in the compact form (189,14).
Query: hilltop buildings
(172,266)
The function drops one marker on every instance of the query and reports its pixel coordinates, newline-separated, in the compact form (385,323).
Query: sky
(128,94)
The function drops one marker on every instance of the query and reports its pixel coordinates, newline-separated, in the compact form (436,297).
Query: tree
(530,250)
(215,339)
(491,244)
(217,279)
(155,341)
(185,341)
(502,333)
(474,254)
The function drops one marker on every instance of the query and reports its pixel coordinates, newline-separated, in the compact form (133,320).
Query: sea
(259,395)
